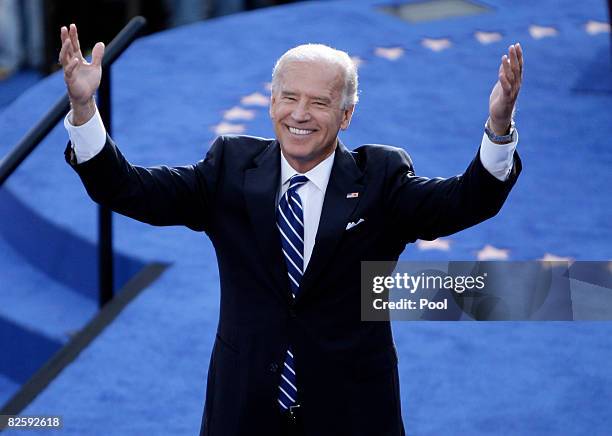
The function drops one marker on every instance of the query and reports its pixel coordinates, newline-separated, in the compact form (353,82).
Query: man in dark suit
(291,219)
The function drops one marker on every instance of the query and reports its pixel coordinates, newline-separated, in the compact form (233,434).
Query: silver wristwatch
(500,139)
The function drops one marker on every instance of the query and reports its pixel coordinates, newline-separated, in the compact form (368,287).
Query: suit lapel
(260,190)
(337,209)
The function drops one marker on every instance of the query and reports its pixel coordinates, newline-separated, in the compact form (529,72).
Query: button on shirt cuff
(88,139)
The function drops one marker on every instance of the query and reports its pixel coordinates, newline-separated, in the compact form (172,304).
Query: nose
(300,112)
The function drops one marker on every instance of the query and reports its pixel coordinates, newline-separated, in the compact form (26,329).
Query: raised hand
(506,90)
(82,78)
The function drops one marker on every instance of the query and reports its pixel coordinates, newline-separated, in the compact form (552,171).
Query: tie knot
(296,181)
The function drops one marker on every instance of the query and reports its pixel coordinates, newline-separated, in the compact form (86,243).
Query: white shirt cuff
(498,158)
(88,139)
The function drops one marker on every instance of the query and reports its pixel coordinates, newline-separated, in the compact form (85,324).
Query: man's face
(306,112)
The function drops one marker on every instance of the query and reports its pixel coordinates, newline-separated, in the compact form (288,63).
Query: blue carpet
(457,378)
(39,242)
(597,74)
(34,348)
(7,388)
(37,302)
(13,86)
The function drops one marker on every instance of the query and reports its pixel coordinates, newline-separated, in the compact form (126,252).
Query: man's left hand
(506,90)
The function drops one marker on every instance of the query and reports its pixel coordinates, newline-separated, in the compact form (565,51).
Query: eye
(288,98)
(319,104)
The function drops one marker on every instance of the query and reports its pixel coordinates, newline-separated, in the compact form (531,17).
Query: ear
(347,114)
(272,101)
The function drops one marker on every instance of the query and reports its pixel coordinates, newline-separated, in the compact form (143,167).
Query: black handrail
(31,140)
(37,133)
(106,272)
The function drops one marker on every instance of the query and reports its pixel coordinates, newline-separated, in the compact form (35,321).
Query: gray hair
(320,52)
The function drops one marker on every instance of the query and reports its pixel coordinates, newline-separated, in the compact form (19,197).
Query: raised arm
(158,195)
(162,195)
(424,208)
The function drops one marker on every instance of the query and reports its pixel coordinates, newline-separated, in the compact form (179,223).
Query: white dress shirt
(312,194)
(88,140)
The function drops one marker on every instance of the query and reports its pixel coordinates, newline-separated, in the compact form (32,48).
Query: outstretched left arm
(423,208)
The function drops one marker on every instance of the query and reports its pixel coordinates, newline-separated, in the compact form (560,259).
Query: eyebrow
(293,94)
(322,99)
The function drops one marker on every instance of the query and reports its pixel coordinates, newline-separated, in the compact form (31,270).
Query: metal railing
(34,136)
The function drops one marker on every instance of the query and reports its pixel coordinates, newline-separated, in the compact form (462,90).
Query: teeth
(299,131)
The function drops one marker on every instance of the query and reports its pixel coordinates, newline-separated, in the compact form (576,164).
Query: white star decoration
(487,37)
(554,258)
(390,53)
(595,27)
(255,99)
(539,32)
(489,252)
(436,44)
(552,261)
(357,61)
(437,244)
(238,113)
(224,128)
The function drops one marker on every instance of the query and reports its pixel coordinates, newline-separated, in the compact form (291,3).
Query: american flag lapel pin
(352,195)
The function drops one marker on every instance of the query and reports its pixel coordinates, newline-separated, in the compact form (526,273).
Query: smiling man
(314,92)
(291,219)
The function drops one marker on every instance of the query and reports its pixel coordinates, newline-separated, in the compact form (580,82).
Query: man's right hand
(82,78)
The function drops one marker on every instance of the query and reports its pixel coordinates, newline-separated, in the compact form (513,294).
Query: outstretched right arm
(157,195)
(161,196)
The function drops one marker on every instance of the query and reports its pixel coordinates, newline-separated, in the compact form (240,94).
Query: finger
(97,54)
(63,38)
(505,84)
(62,53)
(74,39)
(71,68)
(514,63)
(519,54)
(63,33)
(65,55)
(77,44)
(507,69)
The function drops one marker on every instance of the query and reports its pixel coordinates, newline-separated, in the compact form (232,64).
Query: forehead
(315,78)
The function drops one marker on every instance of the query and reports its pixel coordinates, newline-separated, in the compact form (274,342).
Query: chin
(300,157)
(297,151)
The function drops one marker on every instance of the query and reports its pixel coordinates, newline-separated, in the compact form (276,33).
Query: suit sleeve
(161,196)
(424,208)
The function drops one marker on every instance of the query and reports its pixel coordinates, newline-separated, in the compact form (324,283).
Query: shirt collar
(319,175)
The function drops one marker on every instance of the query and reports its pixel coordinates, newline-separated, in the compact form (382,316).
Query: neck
(302,166)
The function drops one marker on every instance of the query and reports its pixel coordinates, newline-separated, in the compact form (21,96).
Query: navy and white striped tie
(290,222)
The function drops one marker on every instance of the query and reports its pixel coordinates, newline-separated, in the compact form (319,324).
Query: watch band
(500,139)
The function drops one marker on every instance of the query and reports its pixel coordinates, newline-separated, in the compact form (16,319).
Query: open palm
(505,92)
(82,78)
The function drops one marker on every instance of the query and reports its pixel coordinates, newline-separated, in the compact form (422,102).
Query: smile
(299,131)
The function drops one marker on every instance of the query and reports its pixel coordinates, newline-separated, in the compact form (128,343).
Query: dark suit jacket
(346,368)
